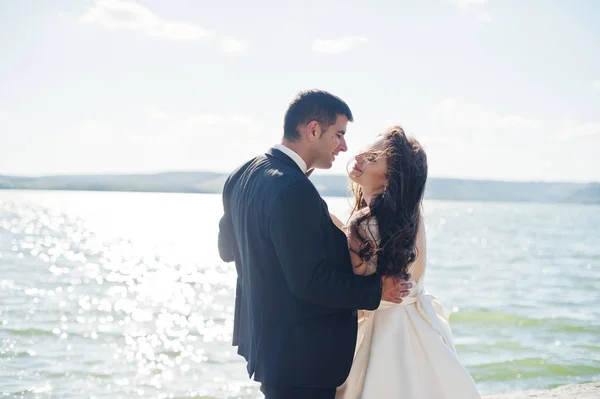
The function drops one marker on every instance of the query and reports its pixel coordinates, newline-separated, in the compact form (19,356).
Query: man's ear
(313,131)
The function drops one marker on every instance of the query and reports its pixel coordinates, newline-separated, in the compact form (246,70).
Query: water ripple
(123,295)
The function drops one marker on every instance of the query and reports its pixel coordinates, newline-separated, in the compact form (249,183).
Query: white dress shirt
(294,155)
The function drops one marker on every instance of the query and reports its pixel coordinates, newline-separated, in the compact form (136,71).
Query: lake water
(123,295)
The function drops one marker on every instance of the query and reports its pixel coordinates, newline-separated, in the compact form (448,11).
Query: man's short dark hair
(313,105)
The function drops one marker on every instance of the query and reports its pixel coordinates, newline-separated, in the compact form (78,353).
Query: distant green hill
(328,185)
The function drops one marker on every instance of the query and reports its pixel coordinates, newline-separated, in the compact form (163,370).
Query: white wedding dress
(406,351)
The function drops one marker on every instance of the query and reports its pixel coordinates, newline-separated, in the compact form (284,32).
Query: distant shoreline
(328,186)
(75,190)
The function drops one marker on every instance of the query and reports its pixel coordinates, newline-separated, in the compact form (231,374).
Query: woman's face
(370,168)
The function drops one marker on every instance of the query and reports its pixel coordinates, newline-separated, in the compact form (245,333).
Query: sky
(493,89)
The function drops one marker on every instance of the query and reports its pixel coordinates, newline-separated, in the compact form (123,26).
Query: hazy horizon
(316,173)
(504,91)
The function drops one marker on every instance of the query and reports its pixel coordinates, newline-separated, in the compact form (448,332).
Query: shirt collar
(294,155)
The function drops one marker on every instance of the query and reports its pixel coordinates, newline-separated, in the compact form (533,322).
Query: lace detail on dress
(370,231)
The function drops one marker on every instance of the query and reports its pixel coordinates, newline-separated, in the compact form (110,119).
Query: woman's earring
(384,192)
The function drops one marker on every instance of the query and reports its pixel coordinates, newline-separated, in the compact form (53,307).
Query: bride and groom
(325,309)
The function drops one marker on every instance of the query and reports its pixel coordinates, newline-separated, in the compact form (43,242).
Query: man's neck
(299,149)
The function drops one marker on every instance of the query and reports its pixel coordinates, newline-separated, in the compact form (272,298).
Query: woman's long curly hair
(397,210)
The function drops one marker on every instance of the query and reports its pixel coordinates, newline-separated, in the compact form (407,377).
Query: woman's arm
(359,266)
(418,267)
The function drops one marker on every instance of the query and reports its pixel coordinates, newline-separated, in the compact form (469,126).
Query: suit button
(354,313)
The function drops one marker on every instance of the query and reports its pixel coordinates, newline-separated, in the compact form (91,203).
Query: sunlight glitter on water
(123,295)
(133,290)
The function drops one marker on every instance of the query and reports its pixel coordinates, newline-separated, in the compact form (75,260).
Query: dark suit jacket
(296,297)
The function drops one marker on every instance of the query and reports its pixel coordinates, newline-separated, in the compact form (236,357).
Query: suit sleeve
(227,250)
(296,229)
(226,242)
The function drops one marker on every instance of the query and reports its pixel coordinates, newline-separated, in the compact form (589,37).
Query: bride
(403,351)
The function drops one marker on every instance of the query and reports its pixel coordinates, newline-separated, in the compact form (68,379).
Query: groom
(296,296)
